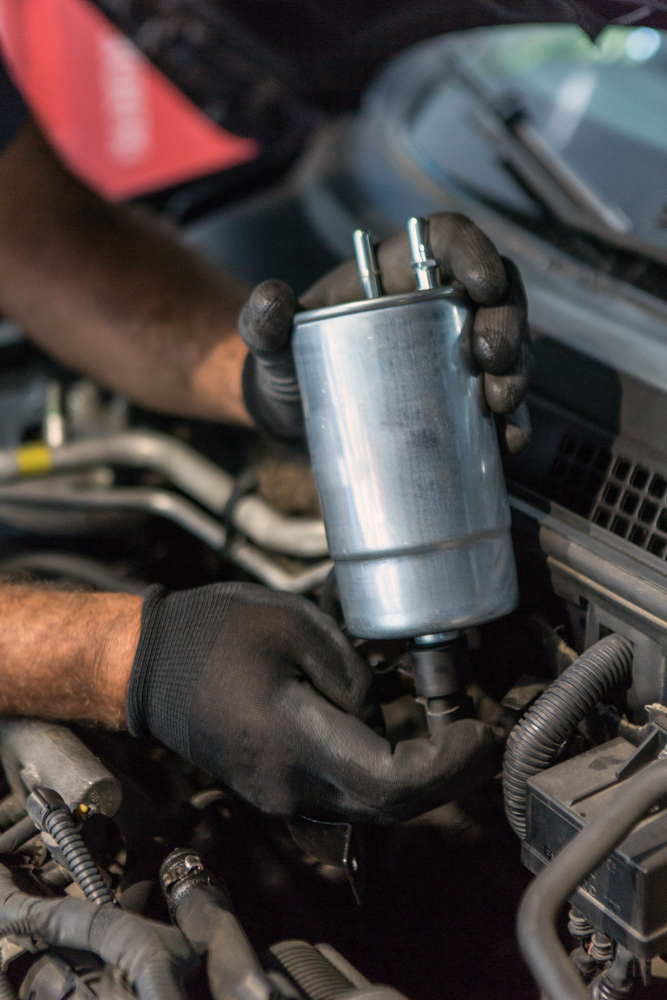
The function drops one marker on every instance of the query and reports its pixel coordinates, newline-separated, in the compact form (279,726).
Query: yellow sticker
(33,459)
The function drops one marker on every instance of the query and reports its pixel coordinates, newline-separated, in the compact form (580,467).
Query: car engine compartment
(119,511)
(95,493)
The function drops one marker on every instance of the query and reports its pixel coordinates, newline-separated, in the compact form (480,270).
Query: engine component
(148,953)
(49,812)
(434,668)
(16,835)
(625,894)
(83,978)
(618,979)
(623,900)
(35,753)
(322,974)
(535,741)
(406,459)
(203,911)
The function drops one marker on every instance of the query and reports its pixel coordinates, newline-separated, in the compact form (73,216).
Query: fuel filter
(405,455)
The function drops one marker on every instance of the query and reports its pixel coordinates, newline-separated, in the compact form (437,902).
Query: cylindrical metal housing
(406,462)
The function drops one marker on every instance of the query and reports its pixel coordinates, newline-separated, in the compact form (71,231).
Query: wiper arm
(542,169)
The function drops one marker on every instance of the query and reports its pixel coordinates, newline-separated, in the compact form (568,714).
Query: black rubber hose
(202,909)
(535,741)
(60,825)
(557,882)
(16,835)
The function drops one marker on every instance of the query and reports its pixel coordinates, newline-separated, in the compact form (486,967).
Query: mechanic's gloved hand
(263,691)
(501,344)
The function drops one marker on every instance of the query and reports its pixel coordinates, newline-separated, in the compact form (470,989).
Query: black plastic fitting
(435,671)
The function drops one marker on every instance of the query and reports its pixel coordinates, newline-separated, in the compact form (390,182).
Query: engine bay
(96,494)
(121,513)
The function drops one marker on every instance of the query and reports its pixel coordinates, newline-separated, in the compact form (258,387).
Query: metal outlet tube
(406,462)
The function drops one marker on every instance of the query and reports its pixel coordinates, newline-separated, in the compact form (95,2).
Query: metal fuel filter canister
(405,455)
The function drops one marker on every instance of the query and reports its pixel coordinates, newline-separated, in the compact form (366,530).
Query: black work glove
(500,340)
(263,691)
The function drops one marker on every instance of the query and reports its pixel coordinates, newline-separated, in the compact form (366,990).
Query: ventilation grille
(578,474)
(626,497)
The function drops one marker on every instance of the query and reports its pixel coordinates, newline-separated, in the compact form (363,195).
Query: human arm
(67,655)
(260,689)
(113,292)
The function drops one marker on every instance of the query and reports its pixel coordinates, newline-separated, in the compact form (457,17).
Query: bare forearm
(67,655)
(114,293)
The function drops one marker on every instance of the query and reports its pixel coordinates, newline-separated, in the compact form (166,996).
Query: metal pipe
(303,537)
(424,264)
(256,562)
(548,893)
(191,472)
(371,279)
(162,502)
(180,511)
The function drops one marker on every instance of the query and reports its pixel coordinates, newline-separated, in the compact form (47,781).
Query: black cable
(16,835)
(62,828)
(148,953)
(535,741)
(548,893)
(49,812)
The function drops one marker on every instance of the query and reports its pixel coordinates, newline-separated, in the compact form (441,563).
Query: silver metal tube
(406,462)
(271,573)
(371,279)
(42,753)
(424,264)
(53,424)
(50,493)
(191,472)
(162,502)
(295,536)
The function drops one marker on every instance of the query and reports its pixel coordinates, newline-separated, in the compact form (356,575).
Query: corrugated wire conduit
(535,741)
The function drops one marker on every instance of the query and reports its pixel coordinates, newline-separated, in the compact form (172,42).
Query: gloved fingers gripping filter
(262,690)
(459,253)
